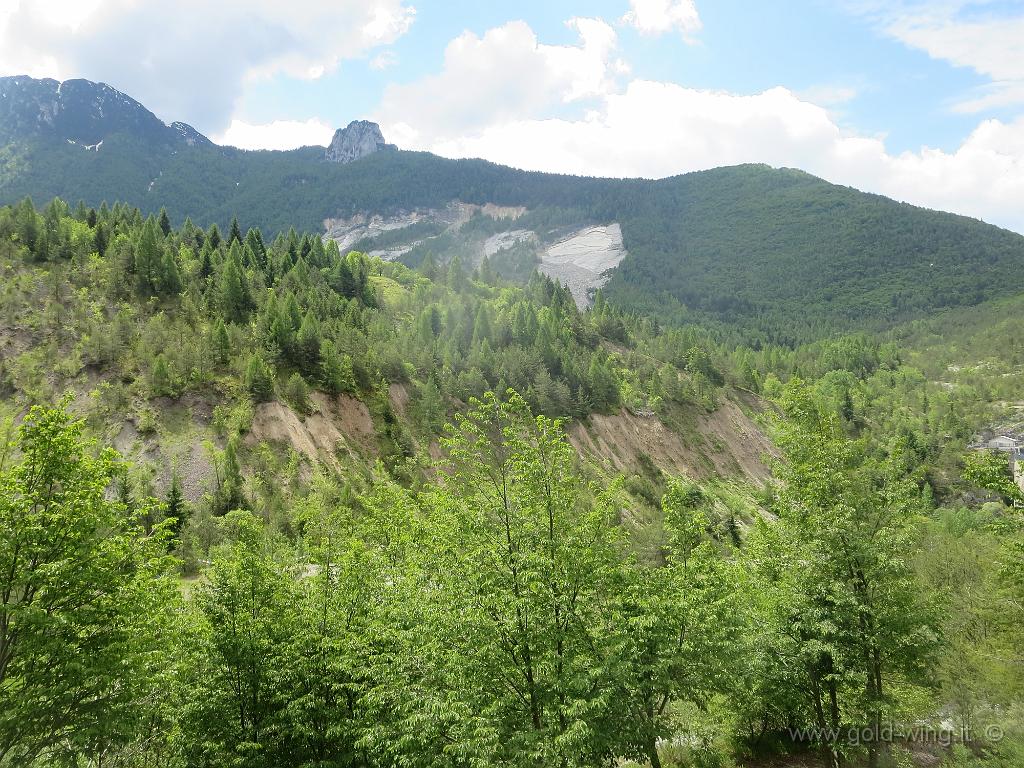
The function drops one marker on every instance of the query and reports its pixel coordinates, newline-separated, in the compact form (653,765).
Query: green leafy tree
(523,569)
(679,633)
(991,470)
(82,591)
(846,522)
(234,710)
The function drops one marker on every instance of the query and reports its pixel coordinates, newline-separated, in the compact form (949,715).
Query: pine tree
(254,240)
(164,222)
(28,225)
(148,259)
(430,407)
(481,326)
(236,301)
(162,380)
(99,238)
(175,508)
(259,379)
(235,235)
(170,276)
(336,370)
(230,494)
(604,389)
(296,392)
(307,344)
(213,237)
(206,262)
(221,342)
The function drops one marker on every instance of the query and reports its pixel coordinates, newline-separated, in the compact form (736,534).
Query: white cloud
(655,17)
(280,134)
(190,60)
(657,129)
(829,95)
(506,74)
(384,60)
(967,34)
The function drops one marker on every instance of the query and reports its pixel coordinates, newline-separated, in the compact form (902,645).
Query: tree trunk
(652,752)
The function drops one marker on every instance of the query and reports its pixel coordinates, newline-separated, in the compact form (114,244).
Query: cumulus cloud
(280,134)
(191,59)
(480,105)
(505,74)
(655,17)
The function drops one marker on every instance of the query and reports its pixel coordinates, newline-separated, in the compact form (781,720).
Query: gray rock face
(359,139)
(82,112)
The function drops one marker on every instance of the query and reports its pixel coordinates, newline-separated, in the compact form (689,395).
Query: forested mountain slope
(290,569)
(215,361)
(776,253)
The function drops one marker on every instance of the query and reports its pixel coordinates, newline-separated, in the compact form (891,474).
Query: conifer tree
(236,301)
(259,379)
(170,276)
(235,234)
(307,344)
(148,259)
(164,222)
(336,369)
(175,508)
(221,342)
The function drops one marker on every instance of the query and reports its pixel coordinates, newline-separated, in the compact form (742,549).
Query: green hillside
(788,257)
(778,254)
(290,561)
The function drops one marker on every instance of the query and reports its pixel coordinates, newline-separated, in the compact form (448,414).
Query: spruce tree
(164,222)
(221,342)
(235,235)
(296,392)
(336,370)
(175,508)
(170,276)
(148,259)
(236,301)
(259,379)
(307,344)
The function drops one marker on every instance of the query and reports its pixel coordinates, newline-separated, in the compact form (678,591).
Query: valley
(355,456)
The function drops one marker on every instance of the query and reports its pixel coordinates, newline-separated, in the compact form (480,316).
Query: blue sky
(809,46)
(919,100)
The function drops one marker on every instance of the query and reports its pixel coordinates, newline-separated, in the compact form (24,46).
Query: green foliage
(259,379)
(991,470)
(296,392)
(362,622)
(84,599)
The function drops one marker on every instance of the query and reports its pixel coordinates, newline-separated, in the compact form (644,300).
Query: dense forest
(475,591)
(702,247)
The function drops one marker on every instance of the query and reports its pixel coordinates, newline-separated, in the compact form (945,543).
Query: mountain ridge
(777,253)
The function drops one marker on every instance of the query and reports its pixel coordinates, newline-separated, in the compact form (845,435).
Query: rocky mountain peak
(358,139)
(82,112)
